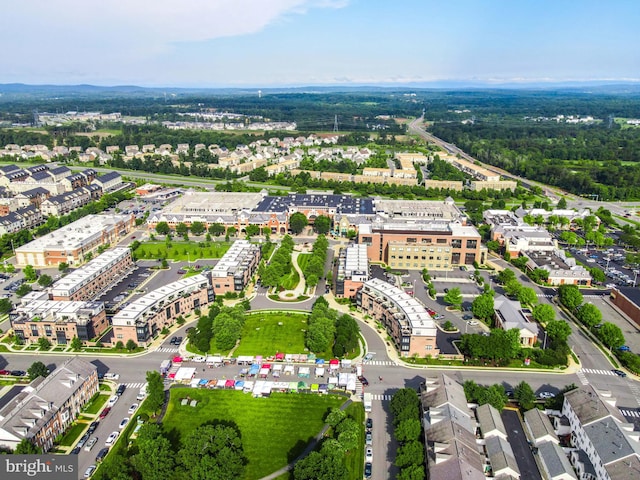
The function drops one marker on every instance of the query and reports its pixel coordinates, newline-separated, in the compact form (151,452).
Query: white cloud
(73,35)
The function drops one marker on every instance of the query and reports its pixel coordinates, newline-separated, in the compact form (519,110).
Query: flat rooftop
(76,234)
(345,204)
(213,202)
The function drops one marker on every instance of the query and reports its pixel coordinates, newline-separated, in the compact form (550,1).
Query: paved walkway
(302,284)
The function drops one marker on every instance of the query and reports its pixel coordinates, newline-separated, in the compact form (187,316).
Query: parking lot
(611,261)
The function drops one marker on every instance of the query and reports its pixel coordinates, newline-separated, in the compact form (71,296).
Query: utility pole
(335,123)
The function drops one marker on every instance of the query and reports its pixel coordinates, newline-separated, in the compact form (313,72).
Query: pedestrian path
(134,385)
(167,350)
(582,377)
(379,362)
(597,372)
(630,413)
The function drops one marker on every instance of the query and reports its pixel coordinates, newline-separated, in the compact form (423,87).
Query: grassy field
(303,260)
(274,430)
(261,334)
(289,282)
(181,250)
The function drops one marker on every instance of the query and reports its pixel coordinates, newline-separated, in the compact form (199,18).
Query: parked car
(112,401)
(101,454)
(368,439)
(132,409)
(363,381)
(546,395)
(75,451)
(620,373)
(369,423)
(105,412)
(89,471)
(92,427)
(181,272)
(111,376)
(467,316)
(111,439)
(368,467)
(18,373)
(368,456)
(5,372)
(90,444)
(121,389)
(624,348)
(83,440)
(123,423)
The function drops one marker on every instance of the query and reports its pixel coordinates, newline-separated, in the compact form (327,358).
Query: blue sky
(267,43)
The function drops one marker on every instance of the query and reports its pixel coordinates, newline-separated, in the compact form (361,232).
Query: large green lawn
(261,334)
(303,260)
(181,250)
(274,430)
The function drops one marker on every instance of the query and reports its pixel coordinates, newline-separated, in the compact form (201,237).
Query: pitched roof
(539,424)
(554,461)
(490,420)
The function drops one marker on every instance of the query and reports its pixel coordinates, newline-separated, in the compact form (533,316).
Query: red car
(5,372)
(105,412)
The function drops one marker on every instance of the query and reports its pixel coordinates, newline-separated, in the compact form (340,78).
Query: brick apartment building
(88,281)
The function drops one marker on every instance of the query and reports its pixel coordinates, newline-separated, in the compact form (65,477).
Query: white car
(369,454)
(132,409)
(112,438)
(198,359)
(89,471)
(123,423)
(112,401)
(112,376)
(546,395)
(91,443)
(473,323)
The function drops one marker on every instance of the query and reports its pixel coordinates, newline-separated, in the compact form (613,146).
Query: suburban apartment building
(476,171)
(406,320)
(71,243)
(351,271)
(146,316)
(90,280)
(234,270)
(58,321)
(444,184)
(67,202)
(47,406)
(21,219)
(606,447)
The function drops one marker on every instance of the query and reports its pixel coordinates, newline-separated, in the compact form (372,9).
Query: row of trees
(315,267)
(280,266)
(326,330)
(405,408)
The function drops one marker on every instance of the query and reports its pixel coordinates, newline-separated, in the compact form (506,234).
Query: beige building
(71,243)
(444,184)
(478,185)
(406,320)
(352,271)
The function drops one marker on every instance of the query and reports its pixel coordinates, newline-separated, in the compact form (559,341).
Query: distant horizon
(286,43)
(435,85)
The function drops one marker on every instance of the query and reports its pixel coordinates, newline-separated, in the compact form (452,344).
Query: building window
(472,243)
(456,243)
(429,347)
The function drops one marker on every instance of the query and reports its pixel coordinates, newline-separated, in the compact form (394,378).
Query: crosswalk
(167,350)
(582,377)
(134,385)
(595,371)
(382,396)
(630,413)
(379,362)
(544,295)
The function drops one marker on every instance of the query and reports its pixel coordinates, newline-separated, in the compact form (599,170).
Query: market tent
(315,387)
(239,385)
(248,386)
(230,383)
(302,386)
(289,370)
(245,359)
(324,388)
(280,356)
(177,359)
(185,373)
(319,372)
(293,386)
(320,361)
(221,383)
